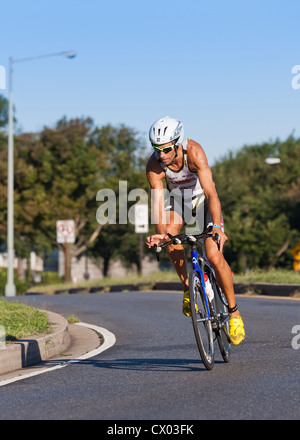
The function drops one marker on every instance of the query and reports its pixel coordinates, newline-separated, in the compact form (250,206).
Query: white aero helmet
(166,130)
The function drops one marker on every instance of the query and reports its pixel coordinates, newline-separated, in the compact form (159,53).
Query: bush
(21,286)
(50,278)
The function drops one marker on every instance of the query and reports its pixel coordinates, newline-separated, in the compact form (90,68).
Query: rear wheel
(222,330)
(201,321)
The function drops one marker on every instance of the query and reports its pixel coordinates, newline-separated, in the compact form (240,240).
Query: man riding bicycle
(183,164)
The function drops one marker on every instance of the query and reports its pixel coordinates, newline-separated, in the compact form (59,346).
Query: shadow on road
(155,364)
(142,364)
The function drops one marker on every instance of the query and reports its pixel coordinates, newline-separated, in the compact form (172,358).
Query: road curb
(264,289)
(98,289)
(268,289)
(30,351)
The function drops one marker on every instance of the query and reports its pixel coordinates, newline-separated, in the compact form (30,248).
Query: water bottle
(208,288)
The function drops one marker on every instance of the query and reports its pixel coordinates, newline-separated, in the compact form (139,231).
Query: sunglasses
(165,150)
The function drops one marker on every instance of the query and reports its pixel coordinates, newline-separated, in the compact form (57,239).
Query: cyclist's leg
(173,226)
(217,261)
(222,271)
(176,253)
(224,279)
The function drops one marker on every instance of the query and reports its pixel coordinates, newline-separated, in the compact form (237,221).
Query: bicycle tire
(221,311)
(201,322)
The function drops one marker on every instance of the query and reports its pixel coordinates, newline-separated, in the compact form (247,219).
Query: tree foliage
(125,161)
(261,203)
(59,171)
(3,111)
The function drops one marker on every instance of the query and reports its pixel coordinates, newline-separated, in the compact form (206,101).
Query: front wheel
(201,320)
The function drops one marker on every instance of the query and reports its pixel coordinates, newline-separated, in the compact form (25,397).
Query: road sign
(65,231)
(296,252)
(141,218)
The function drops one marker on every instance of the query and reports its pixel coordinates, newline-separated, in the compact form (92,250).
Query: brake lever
(159,248)
(157,251)
(175,240)
(216,238)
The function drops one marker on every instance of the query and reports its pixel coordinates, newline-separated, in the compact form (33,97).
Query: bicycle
(209,310)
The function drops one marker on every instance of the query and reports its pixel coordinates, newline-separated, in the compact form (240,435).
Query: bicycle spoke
(209,317)
(201,322)
(223,322)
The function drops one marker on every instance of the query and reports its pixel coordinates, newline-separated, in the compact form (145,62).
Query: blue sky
(223,68)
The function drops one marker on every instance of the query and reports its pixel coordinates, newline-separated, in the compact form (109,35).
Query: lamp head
(272,160)
(69,54)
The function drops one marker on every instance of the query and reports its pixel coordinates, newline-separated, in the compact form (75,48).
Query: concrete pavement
(66,341)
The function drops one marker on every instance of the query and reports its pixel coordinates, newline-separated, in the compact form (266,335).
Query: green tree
(56,178)
(58,174)
(3,111)
(260,203)
(3,186)
(125,161)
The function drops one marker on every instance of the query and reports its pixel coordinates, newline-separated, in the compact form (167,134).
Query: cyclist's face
(165,152)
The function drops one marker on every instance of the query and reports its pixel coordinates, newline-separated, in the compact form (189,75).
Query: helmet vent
(166,130)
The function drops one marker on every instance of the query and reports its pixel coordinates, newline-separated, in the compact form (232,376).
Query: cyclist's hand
(220,238)
(157,239)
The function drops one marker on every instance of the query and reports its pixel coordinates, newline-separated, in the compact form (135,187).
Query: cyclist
(182,163)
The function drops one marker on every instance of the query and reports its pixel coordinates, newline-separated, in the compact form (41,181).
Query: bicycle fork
(196,267)
(217,323)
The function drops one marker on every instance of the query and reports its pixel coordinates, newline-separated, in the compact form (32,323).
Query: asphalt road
(154,372)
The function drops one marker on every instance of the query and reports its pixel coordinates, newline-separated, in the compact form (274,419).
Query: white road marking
(109,341)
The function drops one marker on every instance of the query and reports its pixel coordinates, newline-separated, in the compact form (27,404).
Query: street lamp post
(10,288)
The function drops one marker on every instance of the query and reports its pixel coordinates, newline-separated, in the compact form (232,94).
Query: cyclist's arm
(198,163)
(156,175)
(157,239)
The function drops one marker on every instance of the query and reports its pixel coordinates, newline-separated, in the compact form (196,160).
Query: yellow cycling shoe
(236,330)
(186,305)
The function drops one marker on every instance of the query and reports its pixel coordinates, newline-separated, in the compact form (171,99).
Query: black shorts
(195,213)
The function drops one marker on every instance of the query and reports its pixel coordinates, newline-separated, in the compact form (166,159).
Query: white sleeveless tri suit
(185,194)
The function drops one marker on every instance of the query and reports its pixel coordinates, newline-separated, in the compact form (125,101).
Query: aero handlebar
(191,239)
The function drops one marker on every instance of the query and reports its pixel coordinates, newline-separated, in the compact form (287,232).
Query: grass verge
(20,321)
(276,276)
(147,280)
(254,276)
